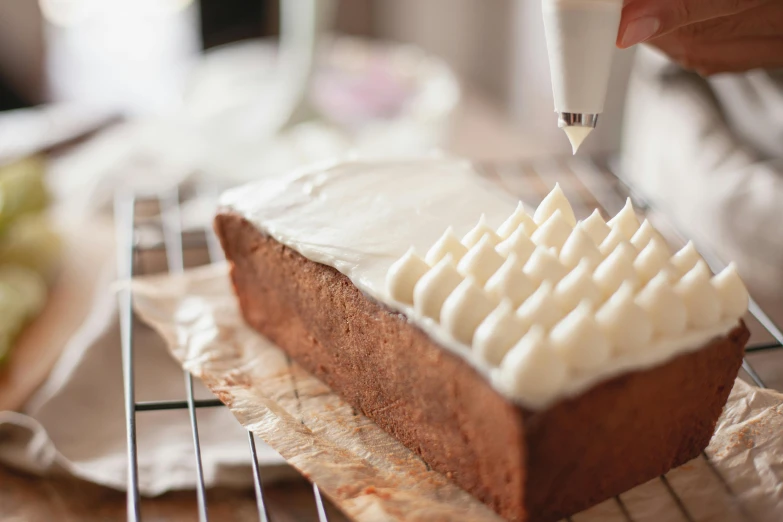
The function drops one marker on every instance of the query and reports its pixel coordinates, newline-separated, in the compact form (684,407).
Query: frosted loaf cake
(543,363)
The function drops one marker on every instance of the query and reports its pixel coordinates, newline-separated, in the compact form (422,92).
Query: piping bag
(580,39)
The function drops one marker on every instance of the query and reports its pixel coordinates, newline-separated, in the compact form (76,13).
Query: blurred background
(140,57)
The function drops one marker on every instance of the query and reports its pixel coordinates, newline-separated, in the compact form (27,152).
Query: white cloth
(709,154)
(75,423)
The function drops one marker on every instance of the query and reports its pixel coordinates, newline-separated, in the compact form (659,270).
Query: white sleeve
(678,151)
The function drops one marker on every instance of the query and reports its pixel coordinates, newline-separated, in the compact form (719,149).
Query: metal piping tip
(575,119)
(576,126)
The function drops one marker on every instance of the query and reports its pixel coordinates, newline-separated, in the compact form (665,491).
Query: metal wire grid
(129,250)
(587,185)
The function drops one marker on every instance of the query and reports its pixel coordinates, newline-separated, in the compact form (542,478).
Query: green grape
(30,241)
(22,189)
(23,295)
(29,286)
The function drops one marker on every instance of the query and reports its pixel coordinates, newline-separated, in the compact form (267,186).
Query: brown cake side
(537,466)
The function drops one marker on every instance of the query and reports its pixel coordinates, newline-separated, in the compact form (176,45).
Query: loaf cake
(544,364)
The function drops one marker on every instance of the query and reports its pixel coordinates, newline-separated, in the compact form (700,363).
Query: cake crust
(525,465)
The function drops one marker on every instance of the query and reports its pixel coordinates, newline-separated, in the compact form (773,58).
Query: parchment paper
(372,477)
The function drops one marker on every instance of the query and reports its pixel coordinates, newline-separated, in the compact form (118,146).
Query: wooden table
(32,499)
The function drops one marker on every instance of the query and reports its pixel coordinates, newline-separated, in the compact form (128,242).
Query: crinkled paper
(372,477)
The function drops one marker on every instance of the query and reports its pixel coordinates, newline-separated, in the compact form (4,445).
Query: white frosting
(362,218)
(481,261)
(553,232)
(540,308)
(686,258)
(732,292)
(497,333)
(577,135)
(664,307)
(434,287)
(464,309)
(579,341)
(625,324)
(531,371)
(701,298)
(448,244)
(616,269)
(479,231)
(595,227)
(612,241)
(403,276)
(625,221)
(554,201)
(643,236)
(510,282)
(518,219)
(518,244)
(579,248)
(576,287)
(653,258)
(543,265)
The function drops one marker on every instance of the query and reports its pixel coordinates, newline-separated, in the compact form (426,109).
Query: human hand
(708,36)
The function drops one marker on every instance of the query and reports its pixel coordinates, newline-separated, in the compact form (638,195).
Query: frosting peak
(733,294)
(612,241)
(553,232)
(518,243)
(645,233)
(543,265)
(625,221)
(478,232)
(448,244)
(616,269)
(554,201)
(578,340)
(664,307)
(403,276)
(580,248)
(464,309)
(481,261)
(595,227)
(701,298)
(434,287)
(510,282)
(624,322)
(540,308)
(497,333)
(653,258)
(519,219)
(576,287)
(686,258)
(531,369)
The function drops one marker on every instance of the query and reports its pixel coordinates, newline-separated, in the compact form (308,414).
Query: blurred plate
(367,97)
(85,250)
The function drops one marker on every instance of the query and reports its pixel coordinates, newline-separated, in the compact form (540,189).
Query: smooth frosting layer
(542,305)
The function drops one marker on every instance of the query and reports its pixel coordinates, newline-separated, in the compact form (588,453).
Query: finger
(643,20)
(709,57)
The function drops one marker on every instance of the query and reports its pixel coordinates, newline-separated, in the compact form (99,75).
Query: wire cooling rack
(588,185)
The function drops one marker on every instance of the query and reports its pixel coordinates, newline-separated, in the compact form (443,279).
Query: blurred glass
(132,55)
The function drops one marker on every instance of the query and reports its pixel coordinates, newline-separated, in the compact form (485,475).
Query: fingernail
(640,30)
